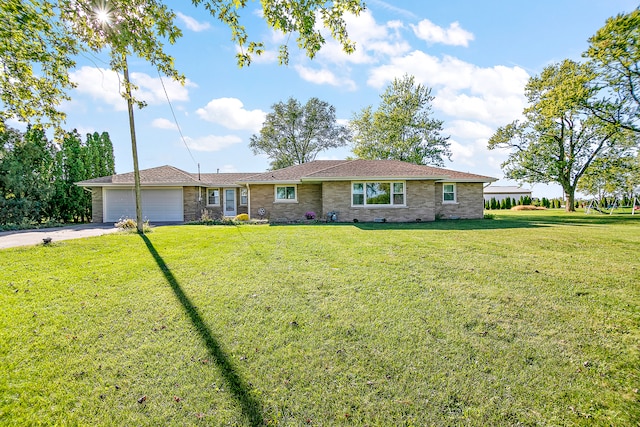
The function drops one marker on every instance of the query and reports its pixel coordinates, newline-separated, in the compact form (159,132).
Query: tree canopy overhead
(39,39)
(615,53)
(402,127)
(294,133)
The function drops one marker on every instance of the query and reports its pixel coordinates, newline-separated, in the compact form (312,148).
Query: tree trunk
(570,200)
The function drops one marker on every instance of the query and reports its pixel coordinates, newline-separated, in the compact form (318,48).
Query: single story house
(343,190)
(502,192)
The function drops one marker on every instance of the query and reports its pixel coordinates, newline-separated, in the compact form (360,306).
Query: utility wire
(176,120)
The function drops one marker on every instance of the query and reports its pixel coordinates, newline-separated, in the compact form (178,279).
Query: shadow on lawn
(500,222)
(449,224)
(251,408)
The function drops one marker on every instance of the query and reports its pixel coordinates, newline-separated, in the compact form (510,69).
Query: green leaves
(561,136)
(39,39)
(294,133)
(35,51)
(401,128)
(615,53)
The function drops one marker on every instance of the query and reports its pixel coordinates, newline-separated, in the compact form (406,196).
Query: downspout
(248,201)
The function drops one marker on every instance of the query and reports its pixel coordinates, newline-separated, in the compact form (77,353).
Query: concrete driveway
(10,239)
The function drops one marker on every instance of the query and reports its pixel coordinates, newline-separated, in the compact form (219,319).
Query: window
(243,196)
(213,196)
(285,193)
(448,193)
(377,193)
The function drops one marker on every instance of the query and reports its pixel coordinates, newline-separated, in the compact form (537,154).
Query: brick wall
(97,214)
(263,196)
(420,204)
(192,206)
(469,203)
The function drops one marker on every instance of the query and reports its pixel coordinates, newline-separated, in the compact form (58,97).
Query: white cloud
(230,113)
(162,123)
(192,24)
(432,33)
(324,76)
(100,84)
(464,91)
(212,142)
(104,85)
(152,90)
(462,154)
(468,129)
(372,41)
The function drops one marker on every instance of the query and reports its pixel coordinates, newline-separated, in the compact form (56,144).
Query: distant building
(502,192)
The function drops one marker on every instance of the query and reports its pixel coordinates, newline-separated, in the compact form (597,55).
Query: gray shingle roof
(318,170)
(326,170)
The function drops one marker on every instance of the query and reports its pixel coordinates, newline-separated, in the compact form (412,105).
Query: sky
(475,55)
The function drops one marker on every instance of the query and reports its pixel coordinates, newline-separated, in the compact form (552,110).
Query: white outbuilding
(500,192)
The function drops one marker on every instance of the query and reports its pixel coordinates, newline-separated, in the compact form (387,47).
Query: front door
(230,202)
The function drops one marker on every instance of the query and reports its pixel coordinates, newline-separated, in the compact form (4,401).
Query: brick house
(349,190)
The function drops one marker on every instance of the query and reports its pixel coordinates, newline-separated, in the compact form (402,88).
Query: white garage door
(162,204)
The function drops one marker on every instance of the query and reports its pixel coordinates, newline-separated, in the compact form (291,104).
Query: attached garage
(158,204)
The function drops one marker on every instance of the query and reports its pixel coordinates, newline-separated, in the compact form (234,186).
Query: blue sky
(475,55)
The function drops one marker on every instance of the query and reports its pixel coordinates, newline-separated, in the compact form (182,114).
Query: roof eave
(273,181)
(142,184)
(374,178)
(482,180)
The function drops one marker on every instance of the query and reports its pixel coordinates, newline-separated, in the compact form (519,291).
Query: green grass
(532,318)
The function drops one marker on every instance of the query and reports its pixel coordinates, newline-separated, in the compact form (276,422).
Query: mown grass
(532,318)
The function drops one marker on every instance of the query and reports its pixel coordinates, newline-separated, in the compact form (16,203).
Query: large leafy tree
(71,202)
(402,128)
(559,139)
(36,53)
(293,133)
(615,53)
(26,176)
(99,157)
(612,176)
(40,38)
(37,176)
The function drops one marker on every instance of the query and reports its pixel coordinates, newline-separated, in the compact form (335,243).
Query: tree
(402,127)
(39,40)
(36,52)
(26,176)
(612,176)
(294,134)
(99,158)
(72,203)
(560,138)
(615,53)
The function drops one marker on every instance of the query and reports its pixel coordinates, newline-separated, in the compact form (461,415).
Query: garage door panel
(157,204)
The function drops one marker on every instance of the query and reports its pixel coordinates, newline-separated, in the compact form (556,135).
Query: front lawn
(531,318)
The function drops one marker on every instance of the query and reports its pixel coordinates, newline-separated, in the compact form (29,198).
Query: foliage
(294,133)
(26,176)
(310,215)
(433,323)
(615,52)
(126,224)
(612,176)
(37,176)
(560,138)
(40,38)
(242,217)
(36,52)
(129,224)
(402,127)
